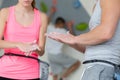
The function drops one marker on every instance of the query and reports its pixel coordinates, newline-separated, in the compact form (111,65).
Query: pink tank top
(14,66)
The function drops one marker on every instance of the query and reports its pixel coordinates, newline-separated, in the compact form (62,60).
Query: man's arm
(52,11)
(102,33)
(107,28)
(80,48)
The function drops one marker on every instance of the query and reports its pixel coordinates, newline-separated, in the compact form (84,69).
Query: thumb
(38,48)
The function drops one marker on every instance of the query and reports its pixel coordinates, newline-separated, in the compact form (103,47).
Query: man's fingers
(57,36)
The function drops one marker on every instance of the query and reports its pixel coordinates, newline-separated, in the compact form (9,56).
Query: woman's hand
(40,51)
(24,47)
(28,48)
(37,49)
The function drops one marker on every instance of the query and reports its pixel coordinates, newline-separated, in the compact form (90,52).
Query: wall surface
(65,9)
(0,2)
(88,5)
(7,3)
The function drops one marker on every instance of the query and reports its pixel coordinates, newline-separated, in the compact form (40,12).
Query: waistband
(20,55)
(102,61)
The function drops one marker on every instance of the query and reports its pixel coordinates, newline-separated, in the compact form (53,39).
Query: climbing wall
(66,9)
(88,5)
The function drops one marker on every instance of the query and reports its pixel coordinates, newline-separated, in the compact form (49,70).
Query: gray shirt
(52,46)
(109,50)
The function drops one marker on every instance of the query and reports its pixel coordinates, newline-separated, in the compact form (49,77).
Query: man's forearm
(94,37)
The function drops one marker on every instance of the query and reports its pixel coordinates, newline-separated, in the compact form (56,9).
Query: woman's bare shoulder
(44,15)
(4,13)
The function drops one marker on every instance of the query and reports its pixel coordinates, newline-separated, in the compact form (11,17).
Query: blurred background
(77,11)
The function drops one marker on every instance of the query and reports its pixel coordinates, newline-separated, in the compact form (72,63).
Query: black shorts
(3,78)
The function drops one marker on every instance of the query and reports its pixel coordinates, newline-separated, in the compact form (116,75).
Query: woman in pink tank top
(23,28)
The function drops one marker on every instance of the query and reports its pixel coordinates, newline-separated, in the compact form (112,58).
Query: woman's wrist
(16,44)
(41,51)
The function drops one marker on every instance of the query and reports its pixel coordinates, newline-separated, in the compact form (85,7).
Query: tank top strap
(98,1)
(37,17)
(37,22)
(10,14)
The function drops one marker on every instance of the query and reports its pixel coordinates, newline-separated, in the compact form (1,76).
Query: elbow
(106,37)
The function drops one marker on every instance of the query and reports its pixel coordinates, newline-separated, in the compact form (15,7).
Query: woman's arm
(3,20)
(9,44)
(42,37)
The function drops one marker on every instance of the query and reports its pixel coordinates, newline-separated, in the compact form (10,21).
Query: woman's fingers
(28,48)
(32,48)
(38,48)
(33,42)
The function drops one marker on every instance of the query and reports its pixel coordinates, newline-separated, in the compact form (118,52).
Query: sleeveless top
(16,67)
(110,50)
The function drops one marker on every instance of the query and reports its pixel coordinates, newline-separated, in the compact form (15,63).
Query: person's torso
(15,66)
(52,46)
(109,50)
(15,32)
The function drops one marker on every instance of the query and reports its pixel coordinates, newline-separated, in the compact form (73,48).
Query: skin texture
(100,34)
(23,10)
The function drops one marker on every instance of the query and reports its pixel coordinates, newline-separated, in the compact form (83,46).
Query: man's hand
(70,24)
(64,38)
(53,10)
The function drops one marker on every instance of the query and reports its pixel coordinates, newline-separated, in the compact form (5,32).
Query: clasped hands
(28,48)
